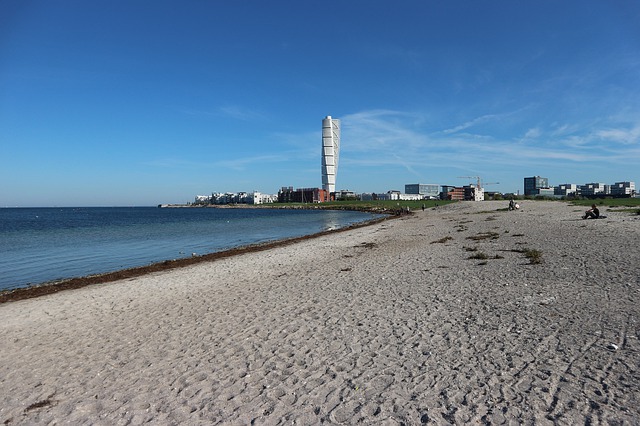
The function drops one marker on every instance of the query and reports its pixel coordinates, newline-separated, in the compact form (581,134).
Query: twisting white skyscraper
(330,152)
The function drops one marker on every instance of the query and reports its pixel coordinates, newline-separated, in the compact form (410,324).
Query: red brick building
(303,195)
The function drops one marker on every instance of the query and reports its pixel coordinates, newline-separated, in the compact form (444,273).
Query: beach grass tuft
(442,240)
(483,256)
(479,256)
(484,236)
(534,256)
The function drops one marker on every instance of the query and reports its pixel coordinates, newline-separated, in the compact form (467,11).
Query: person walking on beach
(592,213)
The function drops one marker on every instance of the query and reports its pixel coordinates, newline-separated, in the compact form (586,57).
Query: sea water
(39,245)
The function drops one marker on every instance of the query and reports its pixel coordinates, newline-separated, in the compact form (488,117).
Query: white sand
(380,325)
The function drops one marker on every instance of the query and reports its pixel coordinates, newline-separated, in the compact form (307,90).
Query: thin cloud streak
(243,163)
(239,163)
(382,137)
(621,136)
(474,122)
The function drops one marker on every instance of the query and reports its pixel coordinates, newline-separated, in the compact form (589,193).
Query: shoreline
(50,287)
(439,317)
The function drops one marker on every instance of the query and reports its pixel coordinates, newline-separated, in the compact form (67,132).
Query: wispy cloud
(471,123)
(385,137)
(621,136)
(385,130)
(239,163)
(563,129)
(532,133)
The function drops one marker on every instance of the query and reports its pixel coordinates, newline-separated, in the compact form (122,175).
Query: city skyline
(105,103)
(557,190)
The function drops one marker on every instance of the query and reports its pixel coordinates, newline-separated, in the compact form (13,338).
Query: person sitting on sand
(592,213)
(512,205)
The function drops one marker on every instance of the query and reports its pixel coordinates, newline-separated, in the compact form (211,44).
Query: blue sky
(147,102)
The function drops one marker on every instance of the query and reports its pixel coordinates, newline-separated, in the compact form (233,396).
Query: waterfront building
(473,193)
(203,199)
(565,190)
(302,195)
(594,188)
(330,152)
(388,196)
(226,198)
(446,189)
(345,194)
(532,185)
(546,192)
(622,189)
(411,197)
(428,191)
(285,195)
(259,198)
(462,193)
(455,193)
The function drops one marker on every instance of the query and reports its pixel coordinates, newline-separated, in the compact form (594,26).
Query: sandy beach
(435,318)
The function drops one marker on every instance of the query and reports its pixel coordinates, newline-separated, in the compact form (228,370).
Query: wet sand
(393,323)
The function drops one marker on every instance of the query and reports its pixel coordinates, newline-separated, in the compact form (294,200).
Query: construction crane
(472,177)
(478,180)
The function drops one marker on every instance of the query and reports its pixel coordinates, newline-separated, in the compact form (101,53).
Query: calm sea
(38,245)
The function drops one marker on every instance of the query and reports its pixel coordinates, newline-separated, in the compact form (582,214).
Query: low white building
(411,197)
(203,199)
(478,195)
(565,189)
(389,196)
(259,198)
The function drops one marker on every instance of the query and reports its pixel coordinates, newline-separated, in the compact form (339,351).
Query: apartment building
(623,189)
